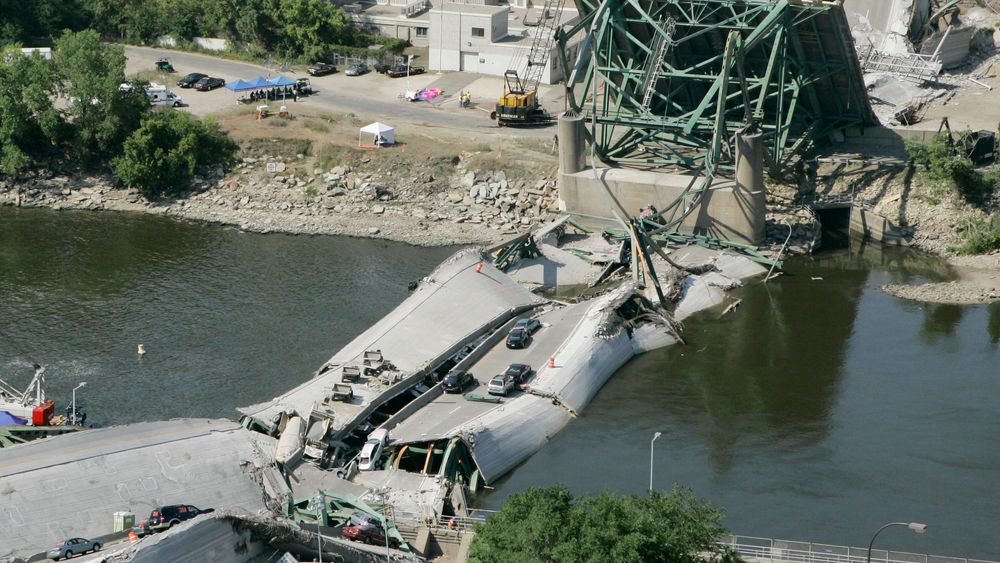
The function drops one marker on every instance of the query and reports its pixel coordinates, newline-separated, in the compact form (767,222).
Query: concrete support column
(750,191)
(572,144)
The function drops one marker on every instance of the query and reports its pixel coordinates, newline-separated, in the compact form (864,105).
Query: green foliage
(91,73)
(29,123)
(295,30)
(979,236)
(164,153)
(550,525)
(946,167)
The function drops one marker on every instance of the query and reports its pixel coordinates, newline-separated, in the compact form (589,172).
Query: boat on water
(28,407)
(28,415)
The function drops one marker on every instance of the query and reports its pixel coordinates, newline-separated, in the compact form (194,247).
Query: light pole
(82,383)
(915,526)
(317,502)
(655,436)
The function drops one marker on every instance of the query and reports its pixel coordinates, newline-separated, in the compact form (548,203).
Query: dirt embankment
(308,176)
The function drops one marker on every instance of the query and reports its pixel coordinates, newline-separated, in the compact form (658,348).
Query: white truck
(160,95)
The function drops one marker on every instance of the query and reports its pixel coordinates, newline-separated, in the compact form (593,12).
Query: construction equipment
(519,105)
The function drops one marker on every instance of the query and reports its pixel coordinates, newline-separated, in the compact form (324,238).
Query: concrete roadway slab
(68,486)
(445,414)
(454,303)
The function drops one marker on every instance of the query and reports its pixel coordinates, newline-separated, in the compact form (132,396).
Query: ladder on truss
(661,46)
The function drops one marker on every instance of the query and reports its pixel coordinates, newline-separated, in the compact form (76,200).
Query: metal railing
(766,550)
(477,516)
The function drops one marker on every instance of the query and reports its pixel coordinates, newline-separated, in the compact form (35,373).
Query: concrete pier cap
(731,209)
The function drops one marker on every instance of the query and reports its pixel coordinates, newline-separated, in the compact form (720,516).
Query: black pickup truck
(399,71)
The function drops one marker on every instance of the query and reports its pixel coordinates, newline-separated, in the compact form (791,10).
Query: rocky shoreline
(475,208)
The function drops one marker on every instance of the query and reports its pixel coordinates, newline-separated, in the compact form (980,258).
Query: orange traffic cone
(479,267)
(552,361)
(132,536)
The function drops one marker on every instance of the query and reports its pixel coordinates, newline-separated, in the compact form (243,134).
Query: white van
(160,95)
(372,450)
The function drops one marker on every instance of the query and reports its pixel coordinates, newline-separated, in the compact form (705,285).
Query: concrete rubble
(906,34)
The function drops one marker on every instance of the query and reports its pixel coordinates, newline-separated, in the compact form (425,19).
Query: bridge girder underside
(786,69)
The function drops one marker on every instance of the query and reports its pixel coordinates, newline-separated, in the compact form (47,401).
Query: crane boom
(519,104)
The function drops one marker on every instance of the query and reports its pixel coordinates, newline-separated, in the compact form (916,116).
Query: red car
(369,532)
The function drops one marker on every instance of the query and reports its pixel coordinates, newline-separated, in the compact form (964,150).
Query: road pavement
(449,411)
(371,97)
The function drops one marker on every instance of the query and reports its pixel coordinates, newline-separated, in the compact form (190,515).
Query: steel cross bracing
(786,69)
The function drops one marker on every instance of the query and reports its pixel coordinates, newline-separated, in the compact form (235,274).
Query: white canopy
(380,133)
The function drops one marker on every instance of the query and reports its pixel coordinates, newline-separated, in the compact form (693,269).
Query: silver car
(73,546)
(356,69)
(501,385)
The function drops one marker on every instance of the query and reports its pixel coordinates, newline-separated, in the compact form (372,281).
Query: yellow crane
(519,103)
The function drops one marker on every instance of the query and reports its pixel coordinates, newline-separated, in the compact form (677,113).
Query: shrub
(946,167)
(979,236)
(551,525)
(162,155)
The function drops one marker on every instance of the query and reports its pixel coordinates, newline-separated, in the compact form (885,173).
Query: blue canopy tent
(281,81)
(239,86)
(259,82)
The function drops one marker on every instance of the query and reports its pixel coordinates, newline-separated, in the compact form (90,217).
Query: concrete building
(479,37)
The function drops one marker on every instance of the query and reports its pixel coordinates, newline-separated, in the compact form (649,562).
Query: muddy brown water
(819,410)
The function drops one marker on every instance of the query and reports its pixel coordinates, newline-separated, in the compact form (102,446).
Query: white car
(372,450)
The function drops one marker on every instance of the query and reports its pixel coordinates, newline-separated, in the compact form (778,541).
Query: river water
(819,410)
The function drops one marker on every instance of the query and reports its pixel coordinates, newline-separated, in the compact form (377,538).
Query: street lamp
(655,436)
(82,383)
(915,526)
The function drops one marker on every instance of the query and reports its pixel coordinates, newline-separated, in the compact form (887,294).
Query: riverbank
(978,282)
(308,176)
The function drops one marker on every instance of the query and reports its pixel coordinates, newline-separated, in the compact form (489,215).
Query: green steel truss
(785,68)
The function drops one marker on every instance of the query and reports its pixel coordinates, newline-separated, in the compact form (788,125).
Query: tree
(91,73)
(549,525)
(29,123)
(164,153)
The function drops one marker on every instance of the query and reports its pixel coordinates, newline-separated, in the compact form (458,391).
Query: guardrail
(767,550)
(477,516)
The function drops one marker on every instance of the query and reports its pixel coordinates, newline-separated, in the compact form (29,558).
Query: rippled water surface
(819,410)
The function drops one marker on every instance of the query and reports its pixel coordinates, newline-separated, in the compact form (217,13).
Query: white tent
(378,133)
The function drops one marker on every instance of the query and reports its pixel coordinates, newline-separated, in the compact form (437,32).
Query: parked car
(381,68)
(518,338)
(209,83)
(371,533)
(372,450)
(519,372)
(191,79)
(530,325)
(398,71)
(167,516)
(361,518)
(321,69)
(356,69)
(142,529)
(501,385)
(73,546)
(456,381)
(303,87)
